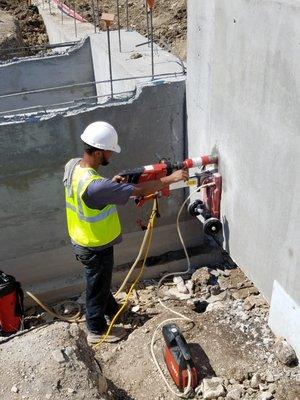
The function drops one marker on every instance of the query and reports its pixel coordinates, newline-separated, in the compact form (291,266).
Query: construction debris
(31,25)
(52,362)
(235,352)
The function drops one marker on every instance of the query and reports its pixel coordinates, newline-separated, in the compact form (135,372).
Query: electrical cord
(145,245)
(180,317)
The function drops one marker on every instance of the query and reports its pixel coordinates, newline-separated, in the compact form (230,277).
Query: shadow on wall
(226,234)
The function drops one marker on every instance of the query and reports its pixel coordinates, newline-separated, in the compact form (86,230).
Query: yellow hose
(146,245)
(76,318)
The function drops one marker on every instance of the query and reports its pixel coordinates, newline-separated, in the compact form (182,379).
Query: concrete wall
(243,92)
(34,242)
(44,72)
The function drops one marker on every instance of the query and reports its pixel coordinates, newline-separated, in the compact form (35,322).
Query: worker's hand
(180,175)
(119,179)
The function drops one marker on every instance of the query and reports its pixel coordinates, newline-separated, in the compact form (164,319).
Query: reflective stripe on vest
(89,227)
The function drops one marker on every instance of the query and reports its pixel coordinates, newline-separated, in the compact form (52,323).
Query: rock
(201,278)
(58,356)
(135,308)
(212,388)
(255,381)
(215,290)
(272,388)
(266,396)
(173,292)
(269,377)
(254,301)
(234,394)
(218,305)
(220,297)
(182,288)
(48,396)
(263,386)
(178,280)
(14,389)
(102,384)
(215,272)
(284,352)
(245,292)
(71,391)
(190,286)
(69,351)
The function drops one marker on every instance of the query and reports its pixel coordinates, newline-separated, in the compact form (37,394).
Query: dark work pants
(99,299)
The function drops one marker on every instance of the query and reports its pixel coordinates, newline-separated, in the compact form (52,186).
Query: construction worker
(93,221)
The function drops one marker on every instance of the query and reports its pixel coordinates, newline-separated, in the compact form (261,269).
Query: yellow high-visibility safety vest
(88,227)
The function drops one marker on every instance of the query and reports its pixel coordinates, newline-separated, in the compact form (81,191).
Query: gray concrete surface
(243,92)
(35,73)
(130,62)
(34,241)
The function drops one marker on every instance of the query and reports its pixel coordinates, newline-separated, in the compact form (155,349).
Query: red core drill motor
(208,209)
(163,168)
(178,358)
(11,304)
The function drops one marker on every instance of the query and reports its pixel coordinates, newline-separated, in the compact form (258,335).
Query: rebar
(109,61)
(94,16)
(75,22)
(152,48)
(127,16)
(147,19)
(73,85)
(62,13)
(49,2)
(119,29)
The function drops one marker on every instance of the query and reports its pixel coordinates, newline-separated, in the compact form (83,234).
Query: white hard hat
(101,135)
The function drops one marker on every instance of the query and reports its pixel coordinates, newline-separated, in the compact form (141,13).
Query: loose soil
(32,26)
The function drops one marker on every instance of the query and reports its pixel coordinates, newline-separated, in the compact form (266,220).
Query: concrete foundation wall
(243,92)
(34,242)
(46,72)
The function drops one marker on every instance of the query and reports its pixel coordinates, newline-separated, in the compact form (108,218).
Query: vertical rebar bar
(75,22)
(127,16)
(147,18)
(94,16)
(152,50)
(109,60)
(98,13)
(119,30)
(62,13)
(49,2)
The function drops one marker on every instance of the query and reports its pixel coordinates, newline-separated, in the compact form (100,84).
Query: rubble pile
(30,22)
(51,362)
(235,352)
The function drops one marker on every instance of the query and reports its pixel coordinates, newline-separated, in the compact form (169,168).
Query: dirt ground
(229,339)
(31,23)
